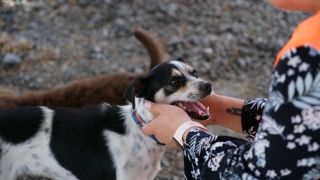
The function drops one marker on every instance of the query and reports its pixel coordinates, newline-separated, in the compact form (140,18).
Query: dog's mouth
(195,110)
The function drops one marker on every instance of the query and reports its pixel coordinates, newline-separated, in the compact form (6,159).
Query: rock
(105,32)
(205,67)
(97,49)
(174,41)
(120,27)
(172,8)
(39,81)
(138,70)
(11,61)
(194,40)
(124,10)
(83,3)
(208,51)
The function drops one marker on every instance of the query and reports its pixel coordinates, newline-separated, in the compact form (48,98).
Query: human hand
(168,119)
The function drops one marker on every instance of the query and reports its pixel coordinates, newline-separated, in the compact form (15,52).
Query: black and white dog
(98,142)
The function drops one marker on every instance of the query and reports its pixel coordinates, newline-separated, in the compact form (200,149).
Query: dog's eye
(194,73)
(174,81)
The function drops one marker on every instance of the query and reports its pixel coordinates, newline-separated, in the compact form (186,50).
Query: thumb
(152,107)
(147,129)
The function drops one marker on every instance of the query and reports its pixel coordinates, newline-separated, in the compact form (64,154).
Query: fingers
(168,119)
(152,107)
(147,129)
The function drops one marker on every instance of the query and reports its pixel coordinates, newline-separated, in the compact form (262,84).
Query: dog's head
(172,82)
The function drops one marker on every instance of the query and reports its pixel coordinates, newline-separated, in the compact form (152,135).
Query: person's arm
(242,116)
(287,143)
(224,111)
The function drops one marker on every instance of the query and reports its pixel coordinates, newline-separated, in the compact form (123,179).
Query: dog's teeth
(199,113)
(180,104)
(208,109)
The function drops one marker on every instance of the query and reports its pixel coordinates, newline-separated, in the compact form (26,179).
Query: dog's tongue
(196,106)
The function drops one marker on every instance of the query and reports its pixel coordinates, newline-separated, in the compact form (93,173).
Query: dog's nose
(206,87)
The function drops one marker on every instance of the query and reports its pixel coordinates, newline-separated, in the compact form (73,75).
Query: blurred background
(232,43)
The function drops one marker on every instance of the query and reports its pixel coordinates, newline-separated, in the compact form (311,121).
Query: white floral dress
(283,132)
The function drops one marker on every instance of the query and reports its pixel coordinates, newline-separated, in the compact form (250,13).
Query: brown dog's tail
(106,88)
(154,48)
(8,98)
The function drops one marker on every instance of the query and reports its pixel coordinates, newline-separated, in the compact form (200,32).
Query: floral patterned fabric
(286,144)
(251,116)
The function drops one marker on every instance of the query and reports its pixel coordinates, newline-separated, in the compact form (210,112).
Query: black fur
(76,137)
(157,77)
(20,124)
(87,158)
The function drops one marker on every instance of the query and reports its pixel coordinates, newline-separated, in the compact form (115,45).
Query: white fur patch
(134,154)
(160,97)
(142,111)
(183,68)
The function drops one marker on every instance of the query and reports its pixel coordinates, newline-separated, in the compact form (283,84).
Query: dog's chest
(135,156)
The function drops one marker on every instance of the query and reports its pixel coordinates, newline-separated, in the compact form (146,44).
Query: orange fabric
(308,32)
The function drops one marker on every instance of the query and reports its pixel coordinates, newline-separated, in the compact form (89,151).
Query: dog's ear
(135,89)
(180,59)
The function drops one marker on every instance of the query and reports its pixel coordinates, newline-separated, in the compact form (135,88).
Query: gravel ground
(232,43)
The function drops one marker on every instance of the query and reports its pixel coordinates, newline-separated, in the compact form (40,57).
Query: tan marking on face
(175,73)
(183,88)
(190,69)
(182,91)
(159,96)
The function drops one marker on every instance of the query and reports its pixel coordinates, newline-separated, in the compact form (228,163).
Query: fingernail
(147,104)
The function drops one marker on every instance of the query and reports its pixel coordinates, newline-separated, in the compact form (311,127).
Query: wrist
(183,130)
(185,134)
(215,109)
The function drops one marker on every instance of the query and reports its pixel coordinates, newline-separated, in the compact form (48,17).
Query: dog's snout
(206,87)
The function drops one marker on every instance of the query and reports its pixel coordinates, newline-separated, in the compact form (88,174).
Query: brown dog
(8,98)
(107,88)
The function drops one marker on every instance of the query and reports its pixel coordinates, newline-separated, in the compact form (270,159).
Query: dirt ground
(232,43)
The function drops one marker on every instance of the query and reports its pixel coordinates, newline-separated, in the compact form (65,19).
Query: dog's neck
(140,110)
(141,115)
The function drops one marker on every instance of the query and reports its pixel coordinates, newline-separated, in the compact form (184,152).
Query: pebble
(97,49)
(83,3)
(11,61)
(172,8)
(208,51)
(174,41)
